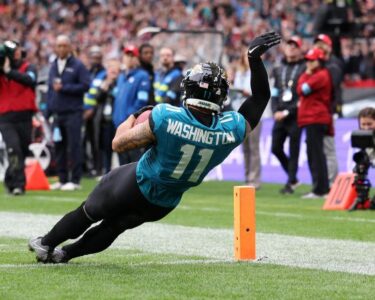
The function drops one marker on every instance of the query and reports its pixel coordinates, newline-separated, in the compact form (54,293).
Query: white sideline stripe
(314,253)
(148,263)
(281,214)
(55,199)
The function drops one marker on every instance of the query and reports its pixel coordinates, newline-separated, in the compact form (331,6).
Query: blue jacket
(167,86)
(133,93)
(75,80)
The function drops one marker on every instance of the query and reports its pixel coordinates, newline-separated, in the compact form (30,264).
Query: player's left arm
(254,106)
(130,137)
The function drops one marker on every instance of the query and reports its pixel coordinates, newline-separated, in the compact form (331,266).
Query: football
(142,117)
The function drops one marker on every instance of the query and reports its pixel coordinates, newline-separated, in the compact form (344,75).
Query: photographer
(365,158)
(17,105)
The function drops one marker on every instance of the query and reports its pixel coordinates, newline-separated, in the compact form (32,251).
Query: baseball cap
(296,40)
(131,49)
(324,38)
(315,54)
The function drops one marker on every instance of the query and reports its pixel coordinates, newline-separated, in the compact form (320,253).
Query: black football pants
(117,202)
(17,137)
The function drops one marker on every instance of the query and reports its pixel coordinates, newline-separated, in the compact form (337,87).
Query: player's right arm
(130,137)
(254,106)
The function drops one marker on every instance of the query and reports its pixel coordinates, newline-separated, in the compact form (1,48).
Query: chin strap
(203,104)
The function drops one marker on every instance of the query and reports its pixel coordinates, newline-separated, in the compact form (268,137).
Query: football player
(187,142)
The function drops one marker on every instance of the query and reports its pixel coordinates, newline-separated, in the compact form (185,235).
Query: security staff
(133,90)
(90,145)
(17,105)
(284,109)
(168,79)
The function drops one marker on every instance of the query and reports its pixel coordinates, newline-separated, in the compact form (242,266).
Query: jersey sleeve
(158,114)
(241,125)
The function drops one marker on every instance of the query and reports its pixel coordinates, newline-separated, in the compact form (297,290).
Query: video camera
(7,49)
(365,140)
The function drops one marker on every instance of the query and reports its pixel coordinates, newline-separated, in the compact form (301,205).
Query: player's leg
(103,235)
(132,211)
(101,202)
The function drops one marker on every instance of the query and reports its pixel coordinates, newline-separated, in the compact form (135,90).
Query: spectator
(105,95)
(314,88)
(168,79)
(133,93)
(67,82)
(17,105)
(336,70)
(250,146)
(90,143)
(284,109)
(180,62)
(146,56)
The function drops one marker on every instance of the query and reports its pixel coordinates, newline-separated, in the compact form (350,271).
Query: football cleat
(59,256)
(42,252)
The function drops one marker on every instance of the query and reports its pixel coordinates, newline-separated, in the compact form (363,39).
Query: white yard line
(217,244)
(56,199)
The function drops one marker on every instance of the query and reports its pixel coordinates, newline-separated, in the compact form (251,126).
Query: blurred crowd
(98,72)
(112,23)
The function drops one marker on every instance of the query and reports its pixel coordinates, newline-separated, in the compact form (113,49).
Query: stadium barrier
(233,166)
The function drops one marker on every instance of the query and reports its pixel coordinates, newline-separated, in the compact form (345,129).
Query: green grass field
(304,252)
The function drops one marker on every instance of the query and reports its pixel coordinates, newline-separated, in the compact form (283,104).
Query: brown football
(142,117)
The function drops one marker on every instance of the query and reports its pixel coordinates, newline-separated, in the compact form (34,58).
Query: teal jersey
(185,151)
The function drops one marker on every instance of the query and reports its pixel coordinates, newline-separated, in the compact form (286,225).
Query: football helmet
(205,86)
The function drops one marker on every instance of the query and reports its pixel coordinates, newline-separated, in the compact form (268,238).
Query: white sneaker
(56,186)
(312,195)
(295,185)
(70,186)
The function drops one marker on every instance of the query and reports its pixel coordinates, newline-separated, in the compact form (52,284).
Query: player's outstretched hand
(141,110)
(262,43)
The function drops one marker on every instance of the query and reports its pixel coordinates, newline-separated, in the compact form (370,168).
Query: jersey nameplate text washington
(199,135)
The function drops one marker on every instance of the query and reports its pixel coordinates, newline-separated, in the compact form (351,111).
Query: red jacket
(315,95)
(15,96)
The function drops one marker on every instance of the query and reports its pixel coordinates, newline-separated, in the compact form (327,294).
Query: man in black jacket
(284,108)
(68,81)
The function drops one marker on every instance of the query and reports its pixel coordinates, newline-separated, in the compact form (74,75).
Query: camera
(7,49)
(365,140)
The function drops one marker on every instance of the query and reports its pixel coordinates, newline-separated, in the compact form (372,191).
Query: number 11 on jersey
(187,154)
